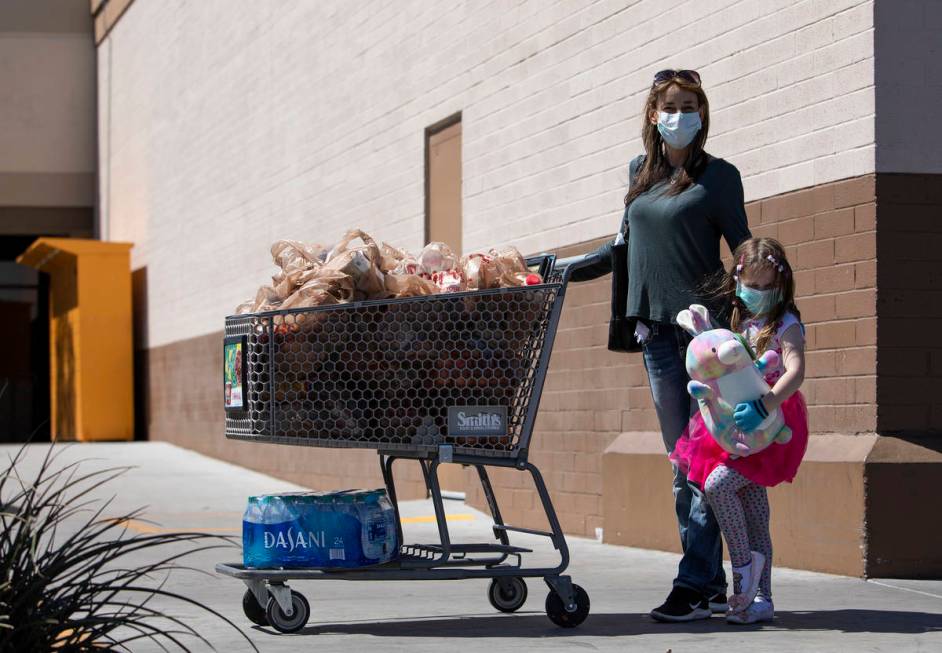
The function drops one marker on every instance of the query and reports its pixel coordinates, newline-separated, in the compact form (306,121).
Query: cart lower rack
(438,379)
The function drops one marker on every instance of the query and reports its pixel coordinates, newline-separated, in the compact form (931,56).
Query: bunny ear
(701,318)
(686,321)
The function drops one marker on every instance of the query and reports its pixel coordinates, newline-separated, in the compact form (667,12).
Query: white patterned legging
(742,511)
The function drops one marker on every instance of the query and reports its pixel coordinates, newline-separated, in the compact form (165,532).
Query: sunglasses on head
(688,76)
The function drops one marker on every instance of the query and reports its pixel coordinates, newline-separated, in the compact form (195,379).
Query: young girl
(761,291)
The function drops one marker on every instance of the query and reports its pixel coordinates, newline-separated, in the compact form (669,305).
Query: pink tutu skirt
(697,454)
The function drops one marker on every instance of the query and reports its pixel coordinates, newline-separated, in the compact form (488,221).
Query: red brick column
(909,247)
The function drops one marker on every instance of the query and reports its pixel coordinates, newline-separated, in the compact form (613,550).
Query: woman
(680,202)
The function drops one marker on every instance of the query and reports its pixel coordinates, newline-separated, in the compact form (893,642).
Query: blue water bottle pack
(294,530)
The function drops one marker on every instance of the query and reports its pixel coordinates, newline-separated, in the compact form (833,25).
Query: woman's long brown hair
(656,167)
(754,254)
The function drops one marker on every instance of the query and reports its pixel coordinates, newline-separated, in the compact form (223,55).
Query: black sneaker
(718,604)
(682,604)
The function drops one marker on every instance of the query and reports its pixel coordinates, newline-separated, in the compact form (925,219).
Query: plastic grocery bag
(362,264)
(292,255)
(317,296)
(408,265)
(325,287)
(472,268)
(506,268)
(313,275)
(332,282)
(409,285)
(353,528)
(448,281)
(437,257)
(297,261)
(266,299)
(391,257)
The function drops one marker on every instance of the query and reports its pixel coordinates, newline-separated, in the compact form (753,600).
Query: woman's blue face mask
(678,129)
(759,302)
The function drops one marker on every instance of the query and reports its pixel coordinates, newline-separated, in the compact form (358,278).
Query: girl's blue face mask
(759,302)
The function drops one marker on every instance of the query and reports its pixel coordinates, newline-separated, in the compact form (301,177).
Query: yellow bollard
(91,338)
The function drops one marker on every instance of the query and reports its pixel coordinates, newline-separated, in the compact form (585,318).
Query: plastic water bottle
(264,517)
(389,517)
(373,531)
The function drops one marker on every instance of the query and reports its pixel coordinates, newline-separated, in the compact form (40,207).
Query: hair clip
(739,267)
(775,263)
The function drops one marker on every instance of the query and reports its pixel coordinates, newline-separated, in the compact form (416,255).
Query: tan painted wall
(47,117)
(238,122)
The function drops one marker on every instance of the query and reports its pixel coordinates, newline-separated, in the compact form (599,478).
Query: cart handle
(541,264)
(572,263)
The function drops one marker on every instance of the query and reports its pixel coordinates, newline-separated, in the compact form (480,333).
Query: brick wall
(592,395)
(829,233)
(242,121)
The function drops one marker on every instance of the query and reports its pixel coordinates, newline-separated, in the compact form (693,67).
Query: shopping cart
(450,378)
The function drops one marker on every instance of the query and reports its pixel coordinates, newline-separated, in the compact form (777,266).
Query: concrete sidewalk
(187,491)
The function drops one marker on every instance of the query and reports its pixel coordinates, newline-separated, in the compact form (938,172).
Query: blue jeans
(701,567)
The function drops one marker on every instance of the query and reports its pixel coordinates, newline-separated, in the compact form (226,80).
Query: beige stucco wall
(47,116)
(227,124)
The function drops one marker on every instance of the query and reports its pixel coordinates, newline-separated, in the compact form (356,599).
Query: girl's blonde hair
(767,254)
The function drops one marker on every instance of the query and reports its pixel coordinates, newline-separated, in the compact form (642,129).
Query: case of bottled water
(352,528)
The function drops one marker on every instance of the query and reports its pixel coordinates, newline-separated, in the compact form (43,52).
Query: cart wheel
(283,623)
(557,613)
(510,598)
(252,609)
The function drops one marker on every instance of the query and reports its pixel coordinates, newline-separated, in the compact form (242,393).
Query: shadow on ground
(620,625)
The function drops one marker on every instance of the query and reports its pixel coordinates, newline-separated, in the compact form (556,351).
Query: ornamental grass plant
(75,578)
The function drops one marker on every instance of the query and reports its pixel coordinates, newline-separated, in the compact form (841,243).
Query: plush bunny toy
(723,375)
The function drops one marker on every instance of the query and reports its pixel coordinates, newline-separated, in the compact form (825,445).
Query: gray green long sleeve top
(674,241)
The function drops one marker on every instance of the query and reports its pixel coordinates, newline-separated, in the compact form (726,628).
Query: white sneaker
(746,582)
(760,610)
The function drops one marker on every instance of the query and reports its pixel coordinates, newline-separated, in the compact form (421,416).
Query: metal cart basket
(442,378)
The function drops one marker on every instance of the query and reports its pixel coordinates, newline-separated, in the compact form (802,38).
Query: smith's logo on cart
(477,420)
(292,539)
